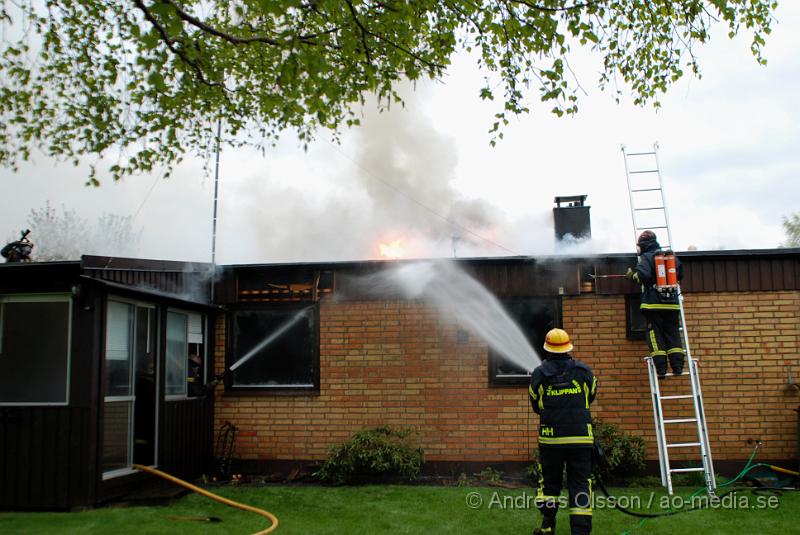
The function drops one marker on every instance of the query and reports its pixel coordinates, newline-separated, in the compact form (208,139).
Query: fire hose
(244,507)
(228,436)
(749,466)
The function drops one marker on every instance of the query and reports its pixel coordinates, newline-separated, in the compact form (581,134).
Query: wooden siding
(186,437)
(162,275)
(38,277)
(44,458)
(164,281)
(747,274)
(531,278)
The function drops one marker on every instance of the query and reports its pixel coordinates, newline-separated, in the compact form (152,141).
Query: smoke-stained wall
(396,362)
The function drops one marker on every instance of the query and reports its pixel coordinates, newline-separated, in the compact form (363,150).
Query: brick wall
(397,363)
(390,363)
(743,342)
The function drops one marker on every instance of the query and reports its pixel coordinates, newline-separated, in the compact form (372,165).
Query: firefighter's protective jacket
(560,392)
(645,274)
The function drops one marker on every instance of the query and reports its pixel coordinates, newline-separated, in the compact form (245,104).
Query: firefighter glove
(629,274)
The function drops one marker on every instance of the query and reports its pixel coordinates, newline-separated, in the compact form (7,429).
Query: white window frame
(42,298)
(203,319)
(110,474)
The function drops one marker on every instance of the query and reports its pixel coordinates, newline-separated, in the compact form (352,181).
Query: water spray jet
(269,339)
(456,295)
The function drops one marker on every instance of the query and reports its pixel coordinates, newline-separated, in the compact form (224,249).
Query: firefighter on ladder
(561,390)
(658,272)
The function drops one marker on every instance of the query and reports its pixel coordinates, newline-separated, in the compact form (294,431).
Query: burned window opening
(286,287)
(586,272)
(535,316)
(275,348)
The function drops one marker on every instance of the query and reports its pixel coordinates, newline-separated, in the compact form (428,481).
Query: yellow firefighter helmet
(557,341)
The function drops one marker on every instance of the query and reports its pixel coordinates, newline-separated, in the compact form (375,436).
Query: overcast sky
(728,150)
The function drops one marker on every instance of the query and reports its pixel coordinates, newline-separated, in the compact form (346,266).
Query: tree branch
(364,31)
(557,9)
(175,50)
(194,21)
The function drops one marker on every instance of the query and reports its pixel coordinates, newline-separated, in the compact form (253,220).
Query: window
(34,349)
(185,354)
(130,411)
(196,371)
(535,316)
(177,353)
(275,348)
(634,319)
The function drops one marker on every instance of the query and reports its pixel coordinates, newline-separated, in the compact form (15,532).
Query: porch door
(131,394)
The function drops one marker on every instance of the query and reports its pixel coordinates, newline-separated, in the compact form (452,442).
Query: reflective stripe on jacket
(561,390)
(645,274)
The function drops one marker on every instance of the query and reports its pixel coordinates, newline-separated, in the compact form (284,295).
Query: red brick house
(354,360)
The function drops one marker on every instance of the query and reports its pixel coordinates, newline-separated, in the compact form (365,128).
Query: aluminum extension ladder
(649,212)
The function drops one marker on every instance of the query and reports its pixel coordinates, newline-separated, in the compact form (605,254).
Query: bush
(532,474)
(625,453)
(491,476)
(370,453)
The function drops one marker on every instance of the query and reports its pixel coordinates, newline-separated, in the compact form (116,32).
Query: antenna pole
(214,218)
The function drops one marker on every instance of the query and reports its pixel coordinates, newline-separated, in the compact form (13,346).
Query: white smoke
(394,182)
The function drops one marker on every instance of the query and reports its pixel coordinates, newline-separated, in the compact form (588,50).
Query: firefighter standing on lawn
(560,392)
(660,305)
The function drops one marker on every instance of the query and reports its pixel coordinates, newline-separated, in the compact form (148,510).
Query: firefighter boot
(676,363)
(548,526)
(660,362)
(580,524)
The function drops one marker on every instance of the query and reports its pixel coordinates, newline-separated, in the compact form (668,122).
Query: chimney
(572,218)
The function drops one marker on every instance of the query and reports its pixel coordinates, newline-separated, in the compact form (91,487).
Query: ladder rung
(640,153)
(645,189)
(649,208)
(683,444)
(680,421)
(683,396)
(645,228)
(700,469)
(643,172)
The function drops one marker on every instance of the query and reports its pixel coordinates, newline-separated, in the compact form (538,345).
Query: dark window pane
(637,325)
(144,408)
(116,446)
(282,343)
(177,353)
(119,348)
(34,352)
(534,316)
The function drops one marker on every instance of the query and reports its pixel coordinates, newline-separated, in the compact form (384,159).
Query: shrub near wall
(379,452)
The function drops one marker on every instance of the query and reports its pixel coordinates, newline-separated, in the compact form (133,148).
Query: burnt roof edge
(141,264)
(695,255)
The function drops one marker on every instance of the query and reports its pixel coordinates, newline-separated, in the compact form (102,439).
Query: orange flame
(392,250)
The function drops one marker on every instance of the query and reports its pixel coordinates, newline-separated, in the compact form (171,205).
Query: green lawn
(391,509)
